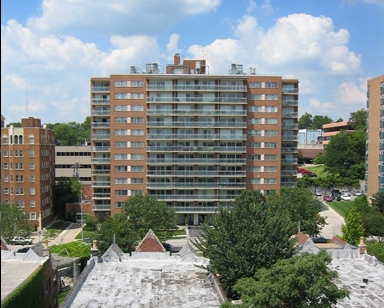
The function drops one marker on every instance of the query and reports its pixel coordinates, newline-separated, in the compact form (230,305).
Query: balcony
(101,172)
(196,173)
(100,124)
(200,100)
(291,102)
(289,150)
(289,161)
(101,148)
(290,115)
(197,124)
(101,195)
(96,113)
(196,136)
(293,91)
(100,101)
(101,183)
(196,112)
(195,149)
(195,161)
(101,137)
(291,126)
(289,137)
(103,160)
(199,88)
(176,185)
(101,207)
(101,89)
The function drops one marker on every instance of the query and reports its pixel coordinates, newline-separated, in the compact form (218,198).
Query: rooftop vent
(236,69)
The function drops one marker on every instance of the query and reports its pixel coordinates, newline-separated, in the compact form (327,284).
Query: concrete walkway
(334,222)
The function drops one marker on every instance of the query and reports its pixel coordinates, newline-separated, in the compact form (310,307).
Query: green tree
(72,133)
(319,158)
(14,222)
(65,191)
(353,228)
(378,201)
(344,155)
(303,209)
(319,121)
(251,235)
(301,281)
(360,118)
(305,121)
(14,124)
(139,214)
(339,120)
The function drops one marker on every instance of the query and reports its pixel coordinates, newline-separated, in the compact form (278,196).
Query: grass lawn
(319,170)
(341,207)
(57,228)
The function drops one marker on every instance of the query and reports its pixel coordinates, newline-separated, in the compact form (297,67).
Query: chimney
(94,249)
(46,251)
(362,246)
(176,59)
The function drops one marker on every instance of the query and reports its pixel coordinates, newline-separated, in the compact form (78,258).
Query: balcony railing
(196,112)
(289,161)
(210,88)
(100,101)
(101,89)
(196,161)
(291,102)
(101,171)
(289,137)
(100,124)
(101,183)
(196,124)
(101,207)
(290,115)
(195,173)
(289,150)
(291,126)
(194,197)
(195,149)
(100,112)
(290,90)
(233,100)
(103,160)
(101,195)
(197,185)
(101,136)
(101,149)
(197,136)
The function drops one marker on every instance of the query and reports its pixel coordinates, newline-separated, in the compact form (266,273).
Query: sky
(51,48)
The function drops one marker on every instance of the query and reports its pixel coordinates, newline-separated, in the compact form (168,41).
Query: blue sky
(51,48)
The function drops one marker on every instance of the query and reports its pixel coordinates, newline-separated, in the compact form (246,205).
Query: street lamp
(77,176)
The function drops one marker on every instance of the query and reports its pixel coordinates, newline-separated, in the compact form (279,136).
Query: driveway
(333,220)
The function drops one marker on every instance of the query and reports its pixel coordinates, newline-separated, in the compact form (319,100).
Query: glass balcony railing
(100,89)
(101,195)
(101,171)
(209,88)
(197,136)
(170,185)
(194,197)
(96,113)
(103,160)
(196,161)
(101,207)
(100,124)
(196,112)
(101,148)
(231,100)
(290,102)
(197,124)
(101,136)
(100,101)
(195,173)
(195,149)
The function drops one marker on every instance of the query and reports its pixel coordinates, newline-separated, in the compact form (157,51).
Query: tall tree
(305,121)
(301,281)
(360,118)
(14,222)
(379,201)
(65,191)
(319,121)
(252,235)
(353,228)
(303,209)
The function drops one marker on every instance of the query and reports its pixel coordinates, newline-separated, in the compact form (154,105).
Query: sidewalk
(333,220)
(66,236)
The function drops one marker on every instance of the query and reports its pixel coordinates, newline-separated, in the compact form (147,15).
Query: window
(270,121)
(121,132)
(254,181)
(137,84)
(31,166)
(121,181)
(32,178)
(119,204)
(121,107)
(137,181)
(31,153)
(121,144)
(254,169)
(256,97)
(137,108)
(137,156)
(121,192)
(137,168)
(254,121)
(120,120)
(270,108)
(137,132)
(31,139)
(270,181)
(136,192)
(271,133)
(32,191)
(256,85)
(121,156)
(253,132)
(32,216)
(255,145)
(121,84)
(137,120)
(6,190)
(255,109)
(5,153)
(5,166)
(270,145)
(32,203)
(271,85)
(254,157)
(5,178)
(137,95)
(270,169)
(270,157)
(121,95)
(121,168)
(137,144)
(271,97)
(4,139)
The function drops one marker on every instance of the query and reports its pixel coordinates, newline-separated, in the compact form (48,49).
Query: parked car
(318,193)
(18,240)
(336,194)
(358,193)
(346,197)
(327,198)
(319,239)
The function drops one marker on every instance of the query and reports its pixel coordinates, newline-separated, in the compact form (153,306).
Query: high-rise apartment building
(191,139)
(374,171)
(28,169)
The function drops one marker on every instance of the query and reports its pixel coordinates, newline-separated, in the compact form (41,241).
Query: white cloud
(124,17)
(349,93)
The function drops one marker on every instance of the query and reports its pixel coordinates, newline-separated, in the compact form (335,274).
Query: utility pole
(77,176)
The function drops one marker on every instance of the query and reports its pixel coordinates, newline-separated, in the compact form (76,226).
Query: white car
(346,197)
(18,240)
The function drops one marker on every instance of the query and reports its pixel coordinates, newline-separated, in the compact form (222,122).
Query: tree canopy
(353,228)
(301,281)
(360,118)
(307,121)
(72,133)
(14,222)
(253,234)
(139,214)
